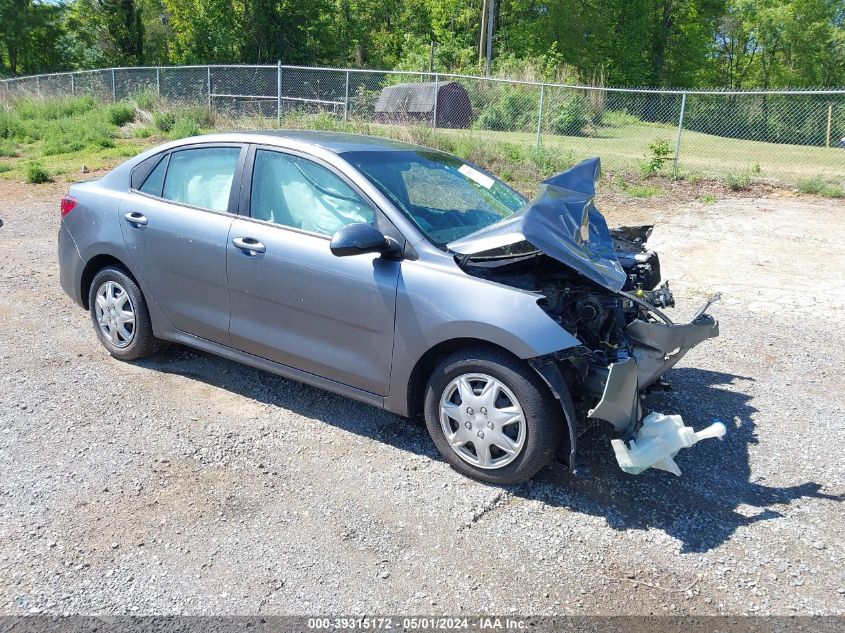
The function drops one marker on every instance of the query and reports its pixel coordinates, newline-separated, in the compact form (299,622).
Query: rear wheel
(491,417)
(120,315)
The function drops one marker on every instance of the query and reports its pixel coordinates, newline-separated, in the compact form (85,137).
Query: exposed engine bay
(603,286)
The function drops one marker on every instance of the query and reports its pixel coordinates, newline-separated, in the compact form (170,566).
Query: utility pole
(431,59)
(491,4)
(483,30)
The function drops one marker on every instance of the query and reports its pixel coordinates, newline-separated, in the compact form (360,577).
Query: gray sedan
(394,274)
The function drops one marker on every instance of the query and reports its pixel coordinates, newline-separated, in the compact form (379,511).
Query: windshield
(444,196)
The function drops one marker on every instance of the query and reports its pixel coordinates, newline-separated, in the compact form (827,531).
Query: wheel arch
(418,379)
(95,265)
(548,372)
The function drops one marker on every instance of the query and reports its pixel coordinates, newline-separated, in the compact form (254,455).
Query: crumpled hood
(562,222)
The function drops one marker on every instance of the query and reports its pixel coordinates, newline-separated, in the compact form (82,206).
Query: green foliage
(8,148)
(35,173)
(31,37)
(513,109)
(10,125)
(142,131)
(120,114)
(51,109)
(728,43)
(738,182)
(771,118)
(4,167)
(660,154)
(619,118)
(146,100)
(106,32)
(707,198)
(182,128)
(571,117)
(820,187)
(163,120)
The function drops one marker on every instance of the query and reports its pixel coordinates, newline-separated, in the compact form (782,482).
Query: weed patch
(35,173)
(738,182)
(820,187)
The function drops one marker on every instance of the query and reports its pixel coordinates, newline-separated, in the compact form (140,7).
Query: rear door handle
(249,245)
(139,219)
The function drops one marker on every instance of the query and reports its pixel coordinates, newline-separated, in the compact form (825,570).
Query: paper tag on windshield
(477,176)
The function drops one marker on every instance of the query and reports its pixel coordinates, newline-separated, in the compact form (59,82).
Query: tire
(112,292)
(532,437)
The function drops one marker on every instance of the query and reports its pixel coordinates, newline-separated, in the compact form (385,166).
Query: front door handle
(138,219)
(249,245)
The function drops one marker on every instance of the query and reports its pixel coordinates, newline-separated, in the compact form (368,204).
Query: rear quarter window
(155,181)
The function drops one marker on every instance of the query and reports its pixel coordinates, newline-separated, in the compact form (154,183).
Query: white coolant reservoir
(658,441)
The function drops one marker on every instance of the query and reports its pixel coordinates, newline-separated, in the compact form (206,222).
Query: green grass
(820,187)
(8,148)
(65,134)
(643,191)
(707,198)
(71,136)
(625,147)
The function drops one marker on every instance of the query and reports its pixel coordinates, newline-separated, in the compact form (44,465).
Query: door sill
(276,368)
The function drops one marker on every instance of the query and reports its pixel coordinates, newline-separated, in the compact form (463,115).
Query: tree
(107,32)
(31,37)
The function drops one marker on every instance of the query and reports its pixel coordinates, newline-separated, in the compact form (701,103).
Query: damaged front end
(601,285)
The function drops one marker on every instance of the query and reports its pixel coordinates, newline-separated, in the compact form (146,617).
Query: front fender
(435,304)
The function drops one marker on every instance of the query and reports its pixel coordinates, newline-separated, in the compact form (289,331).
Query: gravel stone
(159,457)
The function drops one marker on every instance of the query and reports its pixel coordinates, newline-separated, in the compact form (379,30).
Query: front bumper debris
(657,347)
(655,439)
(659,439)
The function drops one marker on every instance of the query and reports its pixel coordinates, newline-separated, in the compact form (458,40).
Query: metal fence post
(436,90)
(540,115)
(208,84)
(279,92)
(829,120)
(113,87)
(680,130)
(38,85)
(346,99)
(158,81)
(72,85)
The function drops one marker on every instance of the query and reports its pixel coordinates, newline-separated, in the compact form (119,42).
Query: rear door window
(201,177)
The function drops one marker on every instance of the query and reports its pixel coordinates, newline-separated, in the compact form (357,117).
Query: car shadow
(716,493)
(715,496)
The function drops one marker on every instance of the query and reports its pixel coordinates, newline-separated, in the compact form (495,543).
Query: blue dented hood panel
(563,222)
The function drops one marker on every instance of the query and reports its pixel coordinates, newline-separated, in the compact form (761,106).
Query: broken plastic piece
(620,404)
(658,441)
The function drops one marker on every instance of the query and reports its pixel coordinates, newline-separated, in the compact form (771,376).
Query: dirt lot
(190,484)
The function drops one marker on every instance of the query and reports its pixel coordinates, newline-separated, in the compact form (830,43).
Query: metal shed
(417,102)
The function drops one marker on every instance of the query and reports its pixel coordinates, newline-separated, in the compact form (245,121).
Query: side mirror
(360,238)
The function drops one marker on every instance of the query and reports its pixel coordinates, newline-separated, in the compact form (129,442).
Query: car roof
(336,142)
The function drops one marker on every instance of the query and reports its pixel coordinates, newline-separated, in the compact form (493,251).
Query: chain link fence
(779,135)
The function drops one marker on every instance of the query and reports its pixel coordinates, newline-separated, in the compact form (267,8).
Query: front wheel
(491,417)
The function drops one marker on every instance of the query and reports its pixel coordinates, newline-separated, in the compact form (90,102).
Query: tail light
(67,205)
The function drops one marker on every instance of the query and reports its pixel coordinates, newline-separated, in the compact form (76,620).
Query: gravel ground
(190,484)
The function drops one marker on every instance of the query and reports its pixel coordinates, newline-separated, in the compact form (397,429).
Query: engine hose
(647,306)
